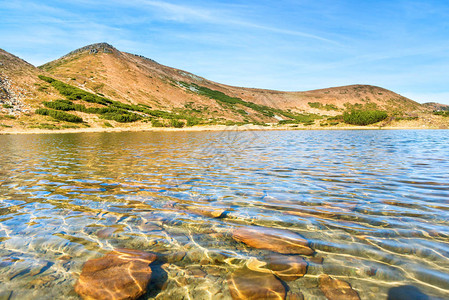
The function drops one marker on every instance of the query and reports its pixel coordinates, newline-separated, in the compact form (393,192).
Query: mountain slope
(19,84)
(134,79)
(21,92)
(100,86)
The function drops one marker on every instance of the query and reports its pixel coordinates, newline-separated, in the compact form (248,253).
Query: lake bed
(371,205)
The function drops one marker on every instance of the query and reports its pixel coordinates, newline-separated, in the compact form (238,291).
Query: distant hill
(436,106)
(104,86)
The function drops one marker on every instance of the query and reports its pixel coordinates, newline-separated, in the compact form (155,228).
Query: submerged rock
(277,240)
(106,232)
(213,212)
(294,296)
(248,284)
(335,289)
(287,268)
(120,274)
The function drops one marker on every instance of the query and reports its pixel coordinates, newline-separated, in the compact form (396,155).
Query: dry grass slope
(131,79)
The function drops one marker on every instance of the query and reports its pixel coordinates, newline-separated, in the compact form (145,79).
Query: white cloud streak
(224,17)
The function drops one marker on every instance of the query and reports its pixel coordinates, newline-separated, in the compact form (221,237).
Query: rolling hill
(99,83)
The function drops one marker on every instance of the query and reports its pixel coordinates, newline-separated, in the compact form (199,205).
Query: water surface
(373,205)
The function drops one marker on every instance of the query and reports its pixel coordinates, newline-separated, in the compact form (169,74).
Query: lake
(373,206)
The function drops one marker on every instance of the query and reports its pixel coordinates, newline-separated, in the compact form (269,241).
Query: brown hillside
(134,79)
(111,88)
(20,87)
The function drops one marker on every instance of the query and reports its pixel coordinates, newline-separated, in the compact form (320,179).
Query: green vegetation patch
(112,110)
(74,93)
(64,105)
(46,126)
(59,115)
(407,118)
(323,107)
(364,117)
(441,113)
(225,99)
(176,123)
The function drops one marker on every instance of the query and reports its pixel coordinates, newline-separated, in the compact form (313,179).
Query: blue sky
(284,45)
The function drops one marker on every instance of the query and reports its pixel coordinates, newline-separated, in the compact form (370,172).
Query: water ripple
(372,204)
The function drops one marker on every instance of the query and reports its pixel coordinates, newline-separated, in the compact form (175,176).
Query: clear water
(373,204)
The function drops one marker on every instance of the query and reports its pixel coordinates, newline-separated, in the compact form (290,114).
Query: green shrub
(364,117)
(7,106)
(64,105)
(45,78)
(330,107)
(45,126)
(406,118)
(66,126)
(157,123)
(441,113)
(192,122)
(309,123)
(107,124)
(225,99)
(176,123)
(315,104)
(74,93)
(121,116)
(59,115)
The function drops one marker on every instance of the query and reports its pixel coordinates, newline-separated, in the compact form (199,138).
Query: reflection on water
(373,206)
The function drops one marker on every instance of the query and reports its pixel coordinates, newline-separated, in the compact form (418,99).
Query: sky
(283,45)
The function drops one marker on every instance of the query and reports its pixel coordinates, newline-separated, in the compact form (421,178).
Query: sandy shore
(196,128)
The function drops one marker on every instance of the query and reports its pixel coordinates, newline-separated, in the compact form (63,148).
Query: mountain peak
(95,48)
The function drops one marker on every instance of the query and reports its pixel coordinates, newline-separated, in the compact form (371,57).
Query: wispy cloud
(181,13)
(221,16)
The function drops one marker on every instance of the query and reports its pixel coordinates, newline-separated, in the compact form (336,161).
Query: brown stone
(175,256)
(196,272)
(277,240)
(106,232)
(251,285)
(120,274)
(285,267)
(294,296)
(212,212)
(316,260)
(335,289)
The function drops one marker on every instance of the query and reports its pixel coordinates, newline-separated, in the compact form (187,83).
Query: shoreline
(202,128)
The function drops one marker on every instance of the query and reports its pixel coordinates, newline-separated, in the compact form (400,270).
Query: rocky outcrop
(120,274)
(94,49)
(277,240)
(10,97)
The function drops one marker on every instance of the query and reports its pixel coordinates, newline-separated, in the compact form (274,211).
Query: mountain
(20,85)
(103,86)
(135,79)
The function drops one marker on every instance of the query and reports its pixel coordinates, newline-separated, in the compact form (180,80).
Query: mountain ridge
(135,80)
(181,75)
